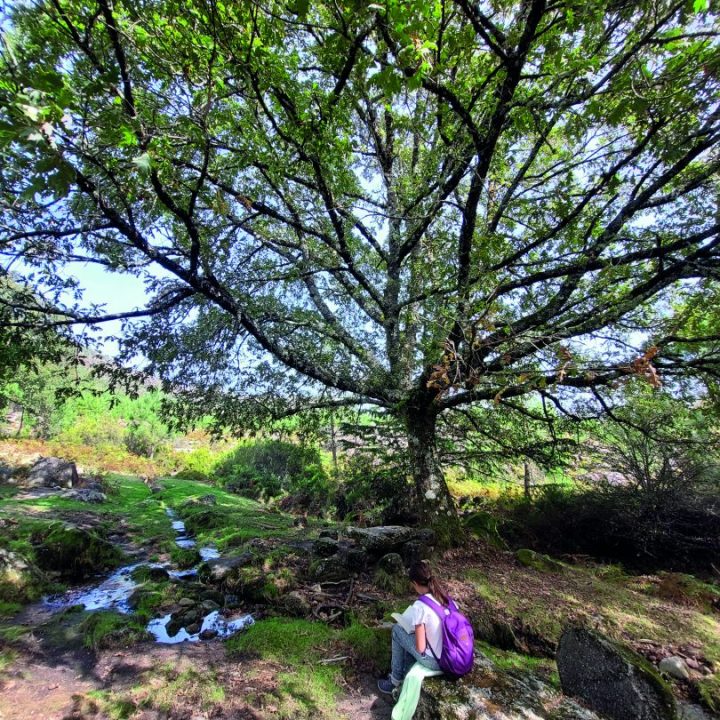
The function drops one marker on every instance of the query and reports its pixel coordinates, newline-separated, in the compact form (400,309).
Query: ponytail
(421,573)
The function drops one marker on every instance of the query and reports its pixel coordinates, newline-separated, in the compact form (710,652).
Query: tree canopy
(415,205)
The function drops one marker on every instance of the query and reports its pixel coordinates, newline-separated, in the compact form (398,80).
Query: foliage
(267,469)
(618,524)
(416,206)
(663,446)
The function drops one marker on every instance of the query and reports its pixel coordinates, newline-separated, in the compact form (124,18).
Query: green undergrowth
(314,657)
(7,658)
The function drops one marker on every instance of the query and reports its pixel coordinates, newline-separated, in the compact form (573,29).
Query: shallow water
(114,593)
(213,621)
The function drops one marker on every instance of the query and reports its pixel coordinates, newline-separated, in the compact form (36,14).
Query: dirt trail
(55,687)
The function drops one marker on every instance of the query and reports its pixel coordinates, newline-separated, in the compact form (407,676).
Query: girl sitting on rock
(417,637)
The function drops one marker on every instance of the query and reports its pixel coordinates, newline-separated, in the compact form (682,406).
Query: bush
(374,493)
(273,468)
(672,531)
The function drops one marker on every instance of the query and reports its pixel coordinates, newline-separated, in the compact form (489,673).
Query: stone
(674,667)
(52,472)
(87,495)
(332,534)
(414,551)
(611,679)
(295,604)
(332,568)
(186,602)
(220,569)
(488,693)
(383,538)
(20,580)
(208,634)
(353,557)
(325,547)
(392,564)
(208,606)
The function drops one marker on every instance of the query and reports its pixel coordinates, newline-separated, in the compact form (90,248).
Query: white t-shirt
(422,614)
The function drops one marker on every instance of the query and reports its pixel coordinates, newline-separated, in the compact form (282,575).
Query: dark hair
(421,573)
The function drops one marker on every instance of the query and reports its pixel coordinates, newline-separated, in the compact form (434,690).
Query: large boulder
(52,472)
(383,538)
(75,553)
(488,693)
(611,679)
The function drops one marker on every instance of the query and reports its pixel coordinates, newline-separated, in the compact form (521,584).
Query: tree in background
(419,206)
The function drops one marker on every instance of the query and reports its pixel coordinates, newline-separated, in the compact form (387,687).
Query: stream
(114,593)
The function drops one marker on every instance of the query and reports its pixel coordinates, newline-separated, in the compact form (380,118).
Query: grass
(106,629)
(506,660)
(7,658)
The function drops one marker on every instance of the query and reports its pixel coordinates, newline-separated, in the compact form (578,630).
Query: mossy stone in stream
(75,553)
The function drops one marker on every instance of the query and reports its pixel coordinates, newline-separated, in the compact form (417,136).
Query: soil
(55,685)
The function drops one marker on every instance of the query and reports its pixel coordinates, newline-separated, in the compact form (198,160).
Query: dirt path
(40,686)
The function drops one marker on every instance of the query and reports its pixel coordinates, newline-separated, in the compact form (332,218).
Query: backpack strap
(440,612)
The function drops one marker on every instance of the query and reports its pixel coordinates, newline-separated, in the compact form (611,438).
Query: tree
(419,206)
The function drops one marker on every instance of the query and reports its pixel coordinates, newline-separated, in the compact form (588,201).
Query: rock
(186,602)
(332,534)
(353,557)
(20,580)
(392,564)
(325,547)
(675,667)
(193,628)
(208,499)
(208,634)
(295,604)
(220,569)
(611,679)
(537,561)
(87,495)
(414,551)
(488,693)
(687,711)
(332,568)
(208,606)
(52,472)
(383,538)
(75,553)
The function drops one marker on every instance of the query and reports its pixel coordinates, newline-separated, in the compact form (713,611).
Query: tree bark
(437,508)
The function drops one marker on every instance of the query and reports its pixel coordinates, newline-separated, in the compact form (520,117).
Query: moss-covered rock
(75,553)
(488,693)
(538,561)
(20,580)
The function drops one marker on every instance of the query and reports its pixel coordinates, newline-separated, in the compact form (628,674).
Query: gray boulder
(488,693)
(329,569)
(325,547)
(611,679)
(392,564)
(52,472)
(220,569)
(87,495)
(383,538)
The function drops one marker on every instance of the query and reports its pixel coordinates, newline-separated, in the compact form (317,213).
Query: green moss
(8,609)
(283,640)
(7,658)
(75,553)
(371,646)
(185,558)
(537,561)
(106,629)
(391,582)
(506,660)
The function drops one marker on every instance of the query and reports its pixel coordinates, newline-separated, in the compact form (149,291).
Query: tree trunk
(435,503)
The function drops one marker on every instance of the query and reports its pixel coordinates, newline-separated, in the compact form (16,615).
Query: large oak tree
(415,205)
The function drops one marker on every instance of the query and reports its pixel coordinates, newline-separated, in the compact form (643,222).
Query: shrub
(273,468)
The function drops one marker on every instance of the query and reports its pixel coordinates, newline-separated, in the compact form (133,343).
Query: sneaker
(386,685)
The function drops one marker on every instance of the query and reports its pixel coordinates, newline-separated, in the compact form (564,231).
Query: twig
(339,658)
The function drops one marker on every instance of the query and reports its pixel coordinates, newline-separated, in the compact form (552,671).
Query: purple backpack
(456,658)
